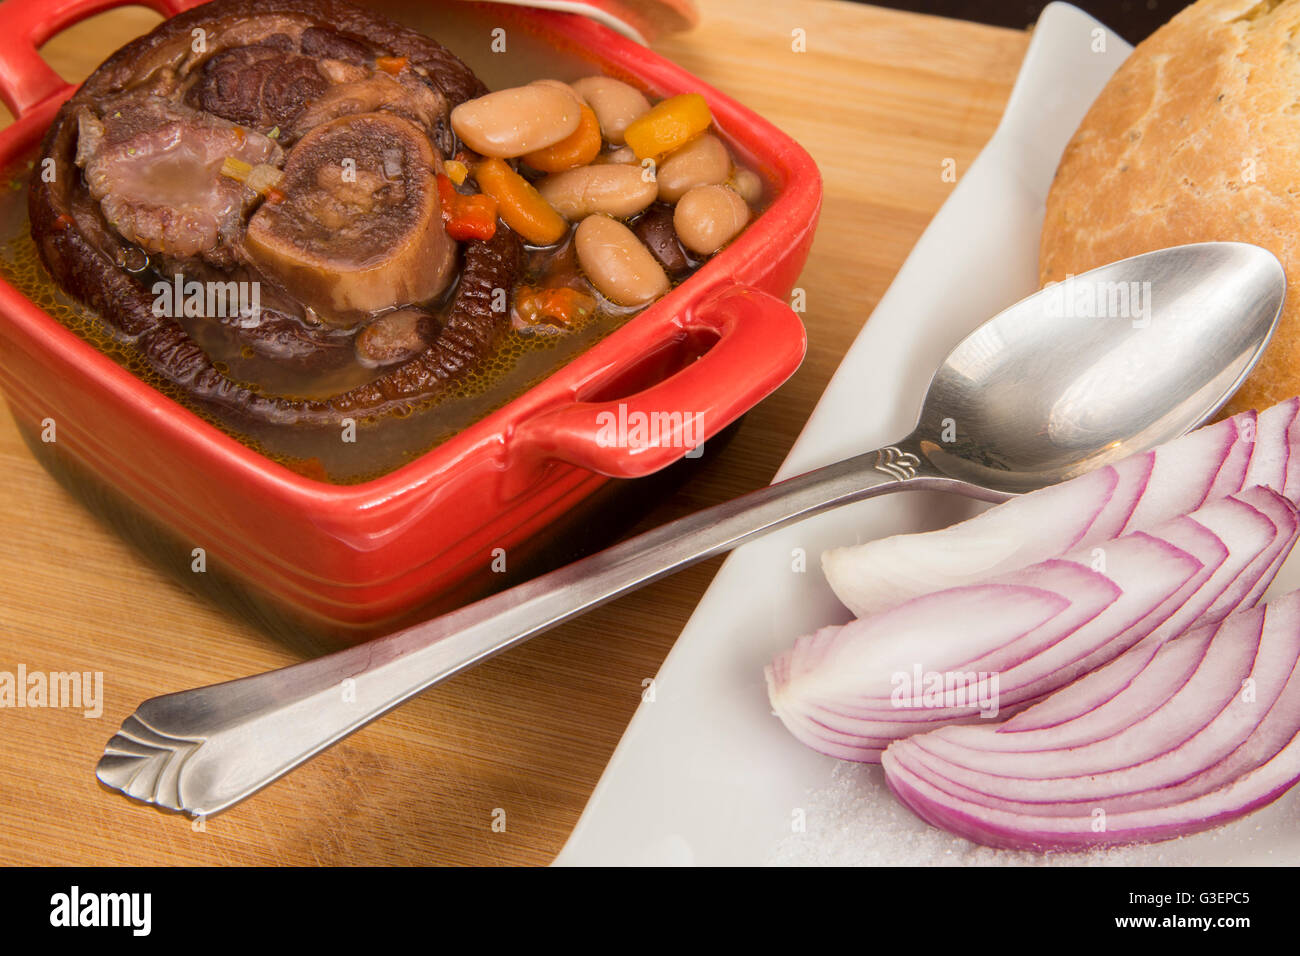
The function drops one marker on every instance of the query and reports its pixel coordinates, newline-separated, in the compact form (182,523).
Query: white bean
(623,156)
(747,183)
(612,189)
(704,161)
(614,102)
(511,122)
(558,85)
(391,337)
(708,217)
(617,263)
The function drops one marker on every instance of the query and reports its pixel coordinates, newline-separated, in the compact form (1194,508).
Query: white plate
(704,773)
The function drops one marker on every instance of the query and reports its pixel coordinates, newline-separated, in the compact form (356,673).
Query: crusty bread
(1195,138)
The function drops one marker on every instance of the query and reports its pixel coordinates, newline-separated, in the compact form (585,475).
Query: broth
(523,358)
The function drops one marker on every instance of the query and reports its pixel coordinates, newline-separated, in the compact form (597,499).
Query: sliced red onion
(999,646)
(1255,788)
(1159,745)
(1241,523)
(1274,462)
(1186,706)
(1134,494)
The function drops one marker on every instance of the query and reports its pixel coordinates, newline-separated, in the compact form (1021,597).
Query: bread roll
(1195,138)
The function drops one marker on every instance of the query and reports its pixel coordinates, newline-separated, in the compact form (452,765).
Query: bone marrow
(359,229)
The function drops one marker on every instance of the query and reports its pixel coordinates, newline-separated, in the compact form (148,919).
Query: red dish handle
(26,80)
(760,344)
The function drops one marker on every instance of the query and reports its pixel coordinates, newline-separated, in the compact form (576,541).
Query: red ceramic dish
(360,557)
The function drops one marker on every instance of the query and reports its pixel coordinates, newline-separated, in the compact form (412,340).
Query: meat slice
(334,45)
(261,86)
(88,255)
(154,167)
(360,227)
(360,90)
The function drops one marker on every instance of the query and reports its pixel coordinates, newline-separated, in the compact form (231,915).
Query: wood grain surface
(880,99)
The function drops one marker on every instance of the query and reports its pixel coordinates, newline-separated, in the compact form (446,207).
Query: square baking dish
(352,560)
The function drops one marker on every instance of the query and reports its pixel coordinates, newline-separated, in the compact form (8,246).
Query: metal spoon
(1046,390)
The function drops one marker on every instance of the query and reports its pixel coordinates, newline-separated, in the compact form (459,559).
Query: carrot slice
(671,123)
(519,204)
(577,149)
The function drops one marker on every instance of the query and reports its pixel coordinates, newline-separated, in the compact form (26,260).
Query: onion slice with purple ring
(999,646)
(1153,746)
(1134,494)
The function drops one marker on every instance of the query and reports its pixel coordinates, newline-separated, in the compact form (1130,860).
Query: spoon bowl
(1042,392)
(1103,365)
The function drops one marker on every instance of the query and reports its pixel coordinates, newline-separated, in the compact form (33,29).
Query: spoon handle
(205,749)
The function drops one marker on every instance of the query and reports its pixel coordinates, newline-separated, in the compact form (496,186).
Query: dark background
(1132,19)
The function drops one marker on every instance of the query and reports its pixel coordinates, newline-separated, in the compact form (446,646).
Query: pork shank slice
(359,229)
(154,167)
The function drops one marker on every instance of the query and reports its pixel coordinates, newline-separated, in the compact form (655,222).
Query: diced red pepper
(275,195)
(392,64)
(552,306)
(466,217)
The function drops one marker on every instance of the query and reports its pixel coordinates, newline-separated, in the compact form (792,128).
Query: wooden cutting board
(881,99)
